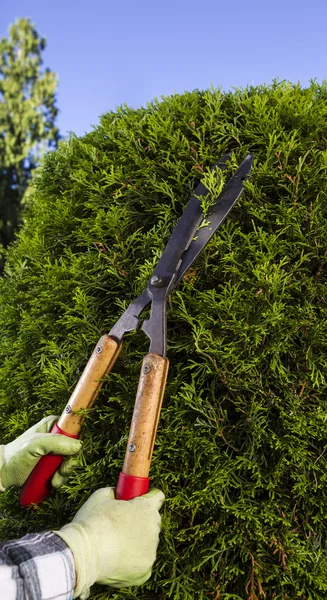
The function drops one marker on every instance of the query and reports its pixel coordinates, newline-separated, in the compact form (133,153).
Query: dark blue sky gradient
(107,53)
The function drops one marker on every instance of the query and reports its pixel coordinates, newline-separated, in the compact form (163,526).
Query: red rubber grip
(129,487)
(38,485)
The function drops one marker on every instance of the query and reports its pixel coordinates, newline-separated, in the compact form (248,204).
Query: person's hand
(114,542)
(18,459)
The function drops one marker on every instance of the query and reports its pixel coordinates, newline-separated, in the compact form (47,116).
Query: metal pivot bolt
(132,447)
(146,369)
(157,281)
(68,409)
(98,349)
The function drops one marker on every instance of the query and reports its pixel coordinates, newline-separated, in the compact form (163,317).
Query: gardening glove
(114,542)
(18,459)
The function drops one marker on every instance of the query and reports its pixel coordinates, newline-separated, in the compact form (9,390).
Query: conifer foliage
(27,116)
(240,452)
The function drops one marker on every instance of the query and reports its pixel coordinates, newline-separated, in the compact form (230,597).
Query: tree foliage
(27,117)
(240,452)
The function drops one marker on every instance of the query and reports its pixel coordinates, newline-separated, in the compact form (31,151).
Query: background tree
(27,116)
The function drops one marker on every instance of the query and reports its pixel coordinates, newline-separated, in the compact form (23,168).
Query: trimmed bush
(240,452)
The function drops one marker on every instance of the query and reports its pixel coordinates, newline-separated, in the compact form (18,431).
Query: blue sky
(107,52)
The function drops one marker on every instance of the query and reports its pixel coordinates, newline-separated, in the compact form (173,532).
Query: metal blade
(183,233)
(216,216)
(164,275)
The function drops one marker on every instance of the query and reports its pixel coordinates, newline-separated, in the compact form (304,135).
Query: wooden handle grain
(146,414)
(100,364)
(38,485)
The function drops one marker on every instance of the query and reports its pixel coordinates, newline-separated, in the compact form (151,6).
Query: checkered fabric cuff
(38,567)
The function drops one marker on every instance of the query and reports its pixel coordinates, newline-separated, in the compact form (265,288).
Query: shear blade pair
(183,247)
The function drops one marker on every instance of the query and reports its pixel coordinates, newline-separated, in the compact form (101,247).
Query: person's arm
(111,542)
(38,567)
(116,539)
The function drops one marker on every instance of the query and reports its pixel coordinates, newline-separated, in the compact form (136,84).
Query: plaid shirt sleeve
(36,567)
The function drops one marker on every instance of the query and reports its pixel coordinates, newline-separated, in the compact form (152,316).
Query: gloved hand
(114,542)
(18,459)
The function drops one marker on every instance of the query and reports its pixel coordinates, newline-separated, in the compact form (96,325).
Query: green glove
(18,459)
(114,542)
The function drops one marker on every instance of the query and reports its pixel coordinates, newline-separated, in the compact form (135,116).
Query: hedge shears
(193,231)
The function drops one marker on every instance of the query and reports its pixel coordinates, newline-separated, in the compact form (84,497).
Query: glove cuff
(85,560)
(84,546)
(2,462)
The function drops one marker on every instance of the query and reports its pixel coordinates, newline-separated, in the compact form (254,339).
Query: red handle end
(129,487)
(38,485)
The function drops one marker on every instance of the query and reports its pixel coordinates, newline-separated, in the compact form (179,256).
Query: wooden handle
(100,364)
(144,426)
(38,485)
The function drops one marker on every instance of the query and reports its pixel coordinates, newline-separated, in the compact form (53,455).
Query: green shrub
(240,452)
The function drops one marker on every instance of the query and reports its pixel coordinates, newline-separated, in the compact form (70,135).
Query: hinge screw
(68,409)
(132,447)
(147,369)
(98,349)
(157,281)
